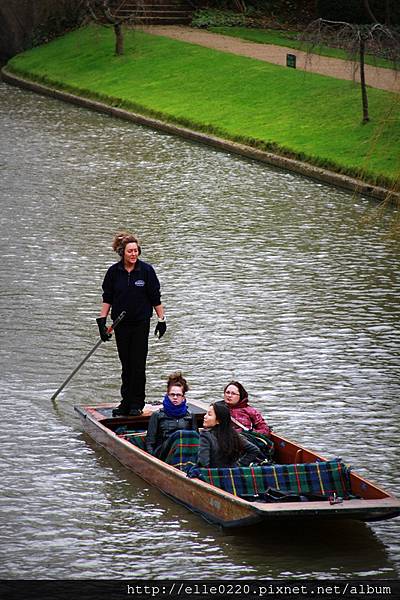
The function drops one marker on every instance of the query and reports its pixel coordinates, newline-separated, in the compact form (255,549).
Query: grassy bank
(289,40)
(306,116)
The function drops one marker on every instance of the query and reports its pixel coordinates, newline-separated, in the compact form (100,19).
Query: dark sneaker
(135,412)
(119,412)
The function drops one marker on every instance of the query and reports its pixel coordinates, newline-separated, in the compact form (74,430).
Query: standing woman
(131,285)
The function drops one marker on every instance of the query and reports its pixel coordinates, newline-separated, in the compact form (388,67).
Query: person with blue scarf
(173,416)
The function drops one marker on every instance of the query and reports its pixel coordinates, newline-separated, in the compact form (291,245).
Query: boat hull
(220,507)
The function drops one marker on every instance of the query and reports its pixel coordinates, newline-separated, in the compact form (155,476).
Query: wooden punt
(221,507)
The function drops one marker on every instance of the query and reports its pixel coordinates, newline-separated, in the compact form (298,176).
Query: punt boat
(241,497)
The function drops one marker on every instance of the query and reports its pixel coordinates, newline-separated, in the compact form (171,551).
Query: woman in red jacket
(236,398)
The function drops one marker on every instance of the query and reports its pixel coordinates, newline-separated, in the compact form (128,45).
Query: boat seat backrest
(135,438)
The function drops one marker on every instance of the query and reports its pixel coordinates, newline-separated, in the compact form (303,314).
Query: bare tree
(356,40)
(97,8)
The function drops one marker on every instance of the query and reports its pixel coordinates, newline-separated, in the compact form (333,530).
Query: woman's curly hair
(177,379)
(121,239)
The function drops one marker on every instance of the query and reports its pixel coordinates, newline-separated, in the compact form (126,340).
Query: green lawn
(288,39)
(298,114)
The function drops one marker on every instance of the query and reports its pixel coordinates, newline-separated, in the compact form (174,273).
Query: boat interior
(288,473)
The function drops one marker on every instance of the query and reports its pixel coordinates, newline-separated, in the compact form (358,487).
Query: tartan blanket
(181,449)
(319,478)
(133,437)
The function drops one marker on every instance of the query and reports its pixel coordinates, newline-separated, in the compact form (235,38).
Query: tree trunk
(119,39)
(362,80)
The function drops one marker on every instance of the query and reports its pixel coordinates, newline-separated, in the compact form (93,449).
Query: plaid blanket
(133,437)
(181,449)
(319,478)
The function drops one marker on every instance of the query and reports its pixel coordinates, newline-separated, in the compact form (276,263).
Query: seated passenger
(173,416)
(220,444)
(236,398)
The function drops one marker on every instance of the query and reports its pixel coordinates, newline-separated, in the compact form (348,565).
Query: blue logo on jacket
(139,283)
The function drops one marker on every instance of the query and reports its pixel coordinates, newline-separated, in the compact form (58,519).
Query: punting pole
(88,355)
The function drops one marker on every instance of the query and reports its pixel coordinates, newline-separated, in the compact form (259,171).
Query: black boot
(135,412)
(120,411)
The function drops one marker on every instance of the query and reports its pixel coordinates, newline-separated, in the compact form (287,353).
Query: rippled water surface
(267,277)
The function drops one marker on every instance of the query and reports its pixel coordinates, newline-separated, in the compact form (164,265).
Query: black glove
(101,322)
(161,328)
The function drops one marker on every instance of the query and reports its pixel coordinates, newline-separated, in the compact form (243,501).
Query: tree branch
(369,11)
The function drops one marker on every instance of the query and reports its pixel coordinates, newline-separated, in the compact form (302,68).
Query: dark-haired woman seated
(174,415)
(220,444)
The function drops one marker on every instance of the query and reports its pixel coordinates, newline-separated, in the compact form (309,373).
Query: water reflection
(282,550)
(273,550)
(267,277)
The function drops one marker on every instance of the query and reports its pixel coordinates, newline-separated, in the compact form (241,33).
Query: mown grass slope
(297,114)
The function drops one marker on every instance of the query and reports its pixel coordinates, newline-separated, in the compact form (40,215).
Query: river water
(267,277)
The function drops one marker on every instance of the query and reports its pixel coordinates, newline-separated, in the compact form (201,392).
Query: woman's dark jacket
(135,293)
(161,426)
(211,456)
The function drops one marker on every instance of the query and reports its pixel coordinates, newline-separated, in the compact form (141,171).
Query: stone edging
(282,162)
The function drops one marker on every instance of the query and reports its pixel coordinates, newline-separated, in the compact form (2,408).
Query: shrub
(217,18)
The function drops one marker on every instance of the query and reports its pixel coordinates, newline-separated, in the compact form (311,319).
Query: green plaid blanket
(319,478)
(133,437)
(322,478)
(182,446)
(181,449)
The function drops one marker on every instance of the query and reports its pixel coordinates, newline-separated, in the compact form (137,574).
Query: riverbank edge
(288,164)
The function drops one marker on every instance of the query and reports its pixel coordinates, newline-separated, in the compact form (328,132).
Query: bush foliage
(212,17)
(303,11)
(281,11)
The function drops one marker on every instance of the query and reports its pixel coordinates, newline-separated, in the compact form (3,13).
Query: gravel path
(385,79)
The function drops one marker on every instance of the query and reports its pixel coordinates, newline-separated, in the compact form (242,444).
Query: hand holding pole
(108,332)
